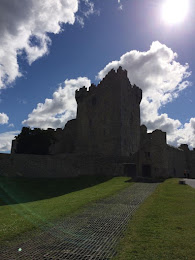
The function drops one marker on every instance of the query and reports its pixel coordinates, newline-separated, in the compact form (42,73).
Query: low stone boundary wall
(57,166)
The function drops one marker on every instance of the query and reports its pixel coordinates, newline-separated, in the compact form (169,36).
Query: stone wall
(29,165)
(57,166)
(153,157)
(65,140)
(159,154)
(163,160)
(98,118)
(192,173)
(176,162)
(189,159)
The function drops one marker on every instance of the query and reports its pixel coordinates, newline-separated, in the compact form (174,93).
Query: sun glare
(175,11)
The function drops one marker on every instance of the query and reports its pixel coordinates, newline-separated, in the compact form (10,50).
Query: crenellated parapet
(120,76)
(184,147)
(112,80)
(83,92)
(80,94)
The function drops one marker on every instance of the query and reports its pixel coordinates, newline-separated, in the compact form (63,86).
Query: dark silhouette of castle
(105,138)
(108,119)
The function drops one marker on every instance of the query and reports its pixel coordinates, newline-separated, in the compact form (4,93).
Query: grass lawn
(46,203)
(21,190)
(163,227)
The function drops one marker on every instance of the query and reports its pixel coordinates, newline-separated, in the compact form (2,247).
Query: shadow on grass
(21,190)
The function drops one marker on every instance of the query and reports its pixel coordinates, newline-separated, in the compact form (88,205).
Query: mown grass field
(33,203)
(163,227)
(22,190)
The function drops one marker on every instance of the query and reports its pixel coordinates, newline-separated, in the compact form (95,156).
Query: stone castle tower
(108,116)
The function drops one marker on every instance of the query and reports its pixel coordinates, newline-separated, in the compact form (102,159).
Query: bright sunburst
(175,11)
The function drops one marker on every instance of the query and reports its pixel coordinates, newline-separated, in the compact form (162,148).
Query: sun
(175,11)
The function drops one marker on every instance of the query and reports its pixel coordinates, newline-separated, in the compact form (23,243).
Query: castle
(105,138)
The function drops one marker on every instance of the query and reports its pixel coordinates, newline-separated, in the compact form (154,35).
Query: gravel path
(92,234)
(190,182)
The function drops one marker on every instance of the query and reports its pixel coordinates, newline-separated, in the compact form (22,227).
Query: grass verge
(17,219)
(163,227)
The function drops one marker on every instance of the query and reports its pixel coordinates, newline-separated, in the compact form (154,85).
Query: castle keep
(108,119)
(105,138)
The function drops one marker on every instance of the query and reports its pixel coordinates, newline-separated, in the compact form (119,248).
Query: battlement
(80,93)
(184,147)
(83,92)
(112,78)
(159,137)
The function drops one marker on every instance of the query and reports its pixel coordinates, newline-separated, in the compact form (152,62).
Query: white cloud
(80,20)
(155,71)
(6,140)
(86,8)
(184,135)
(89,8)
(24,25)
(161,79)
(164,123)
(158,74)
(62,107)
(3,119)
(120,5)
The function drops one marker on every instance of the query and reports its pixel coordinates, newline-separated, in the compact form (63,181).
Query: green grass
(16,219)
(163,227)
(21,190)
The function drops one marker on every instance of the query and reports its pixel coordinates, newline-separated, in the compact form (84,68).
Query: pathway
(92,234)
(190,182)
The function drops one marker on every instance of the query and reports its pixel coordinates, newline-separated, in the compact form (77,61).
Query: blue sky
(50,48)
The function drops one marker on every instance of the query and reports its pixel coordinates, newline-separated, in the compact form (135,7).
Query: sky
(50,48)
